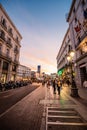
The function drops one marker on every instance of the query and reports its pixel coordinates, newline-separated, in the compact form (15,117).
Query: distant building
(39,69)
(33,75)
(23,73)
(9,47)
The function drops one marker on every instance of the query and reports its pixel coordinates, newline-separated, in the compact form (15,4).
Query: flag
(85,14)
(78,27)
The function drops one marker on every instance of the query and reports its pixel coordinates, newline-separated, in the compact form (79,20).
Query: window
(2,34)
(5,65)
(13,68)
(8,40)
(7,52)
(4,22)
(17,39)
(10,31)
(75,19)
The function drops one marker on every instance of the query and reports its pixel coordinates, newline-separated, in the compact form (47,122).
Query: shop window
(3,78)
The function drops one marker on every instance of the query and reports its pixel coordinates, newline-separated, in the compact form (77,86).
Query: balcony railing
(80,39)
(4,25)
(2,37)
(4,55)
(9,44)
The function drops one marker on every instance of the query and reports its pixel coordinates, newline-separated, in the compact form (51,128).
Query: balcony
(16,50)
(2,37)
(9,44)
(10,32)
(81,57)
(3,24)
(16,61)
(80,39)
(5,56)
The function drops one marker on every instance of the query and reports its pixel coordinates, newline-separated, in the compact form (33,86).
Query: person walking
(58,87)
(54,86)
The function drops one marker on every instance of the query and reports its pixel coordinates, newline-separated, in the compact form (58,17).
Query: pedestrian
(48,84)
(54,86)
(59,87)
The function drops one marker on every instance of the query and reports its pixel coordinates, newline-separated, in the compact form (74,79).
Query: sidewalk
(65,101)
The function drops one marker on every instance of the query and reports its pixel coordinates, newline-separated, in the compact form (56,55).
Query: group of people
(56,84)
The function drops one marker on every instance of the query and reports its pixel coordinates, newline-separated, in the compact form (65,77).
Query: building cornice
(73,2)
(10,20)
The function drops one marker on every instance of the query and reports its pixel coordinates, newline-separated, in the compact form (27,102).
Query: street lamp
(74,89)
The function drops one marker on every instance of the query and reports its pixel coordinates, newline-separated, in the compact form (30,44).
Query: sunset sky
(42,24)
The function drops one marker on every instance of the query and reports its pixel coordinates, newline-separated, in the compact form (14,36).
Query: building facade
(77,35)
(77,19)
(9,47)
(23,73)
(63,68)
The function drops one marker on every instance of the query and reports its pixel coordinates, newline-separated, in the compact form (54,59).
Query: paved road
(11,97)
(25,114)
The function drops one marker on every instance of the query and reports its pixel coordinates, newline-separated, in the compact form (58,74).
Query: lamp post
(74,89)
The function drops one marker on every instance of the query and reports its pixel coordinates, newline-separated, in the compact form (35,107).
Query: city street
(11,97)
(43,65)
(43,110)
(23,115)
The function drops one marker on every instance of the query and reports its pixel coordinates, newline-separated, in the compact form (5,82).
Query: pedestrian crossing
(64,119)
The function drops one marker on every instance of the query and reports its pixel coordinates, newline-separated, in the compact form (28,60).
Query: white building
(77,19)
(63,68)
(23,73)
(9,47)
(63,51)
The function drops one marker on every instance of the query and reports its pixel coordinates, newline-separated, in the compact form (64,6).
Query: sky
(42,24)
